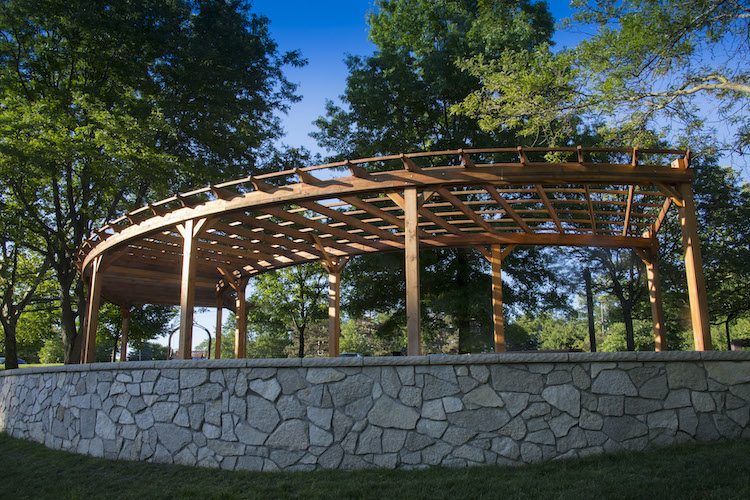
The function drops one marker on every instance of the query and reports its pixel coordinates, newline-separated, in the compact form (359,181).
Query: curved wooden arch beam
(391,182)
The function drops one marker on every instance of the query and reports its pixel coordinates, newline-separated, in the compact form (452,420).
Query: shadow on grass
(714,470)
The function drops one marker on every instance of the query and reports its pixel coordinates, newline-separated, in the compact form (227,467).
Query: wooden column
(240,333)
(126,312)
(92,316)
(219,309)
(189,232)
(334,319)
(411,250)
(497,297)
(655,297)
(694,271)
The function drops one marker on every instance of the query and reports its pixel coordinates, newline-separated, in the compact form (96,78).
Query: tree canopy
(106,106)
(647,61)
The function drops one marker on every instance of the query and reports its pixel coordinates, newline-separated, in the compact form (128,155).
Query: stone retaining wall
(291,414)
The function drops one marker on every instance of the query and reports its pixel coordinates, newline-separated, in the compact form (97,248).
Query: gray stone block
(564,397)
(353,388)
(686,375)
(702,402)
(482,396)
(389,413)
(623,428)
(481,419)
(291,435)
(510,379)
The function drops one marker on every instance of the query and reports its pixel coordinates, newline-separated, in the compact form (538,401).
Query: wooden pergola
(201,248)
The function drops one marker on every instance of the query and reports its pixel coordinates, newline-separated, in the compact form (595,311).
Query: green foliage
(52,351)
(147,351)
(146,323)
(398,98)
(645,61)
(288,301)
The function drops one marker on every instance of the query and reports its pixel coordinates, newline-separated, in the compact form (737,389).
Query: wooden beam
(508,209)
(497,298)
(694,271)
(92,322)
(506,174)
(456,202)
(385,236)
(662,216)
(655,297)
(670,192)
(590,205)
(629,206)
(189,231)
(550,208)
(240,333)
(411,251)
(484,252)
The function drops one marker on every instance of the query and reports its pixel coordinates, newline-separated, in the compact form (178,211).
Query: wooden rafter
(550,208)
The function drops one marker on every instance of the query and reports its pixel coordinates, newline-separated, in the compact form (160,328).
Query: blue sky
(325,31)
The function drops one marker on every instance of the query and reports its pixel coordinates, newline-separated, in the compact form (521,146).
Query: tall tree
(107,105)
(647,59)
(397,100)
(22,271)
(289,301)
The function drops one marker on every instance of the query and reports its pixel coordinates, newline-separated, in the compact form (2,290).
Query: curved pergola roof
(462,198)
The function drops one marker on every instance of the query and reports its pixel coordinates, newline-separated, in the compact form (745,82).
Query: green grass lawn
(715,470)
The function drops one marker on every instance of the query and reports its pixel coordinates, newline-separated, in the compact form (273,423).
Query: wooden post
(655,297)
(497,297)
(240,333)
(126,312)
(92,317)
(334,319)
(189,232)
(219,309)
(411,251)
(694,271)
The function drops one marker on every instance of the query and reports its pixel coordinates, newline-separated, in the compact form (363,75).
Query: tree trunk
(11,348)
(70,336)
(464,330)
(590,309)
(628,317)
(301,353)
(729,339)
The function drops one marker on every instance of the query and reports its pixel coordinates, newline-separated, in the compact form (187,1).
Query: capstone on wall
(405,412)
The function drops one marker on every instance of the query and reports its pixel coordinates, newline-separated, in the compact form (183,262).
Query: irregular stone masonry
(352,413)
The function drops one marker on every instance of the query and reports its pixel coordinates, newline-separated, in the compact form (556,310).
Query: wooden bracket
(670,192)
(579,150)
(356,170)
(262,185)
(409,164)
(222,193)
(635,157)
(522,156)
(306,177)
(465,160)
(158,210)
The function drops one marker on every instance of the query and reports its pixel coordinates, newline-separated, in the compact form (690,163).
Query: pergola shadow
(201,248)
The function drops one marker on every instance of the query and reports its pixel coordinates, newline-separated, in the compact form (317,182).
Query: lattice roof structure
(489,199)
